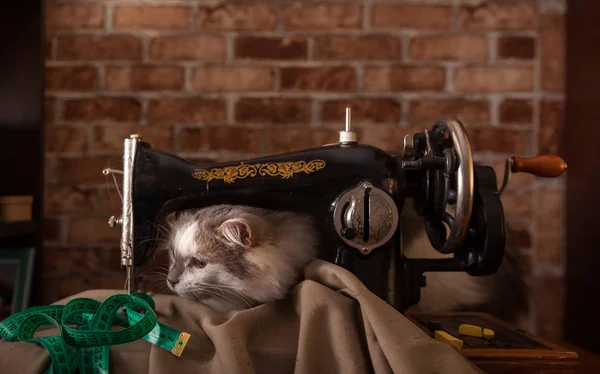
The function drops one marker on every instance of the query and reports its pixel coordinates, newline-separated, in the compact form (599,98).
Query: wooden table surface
(589,363)
(557,358)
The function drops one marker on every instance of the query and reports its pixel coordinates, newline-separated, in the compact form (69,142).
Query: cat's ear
(238,231)
(171,218)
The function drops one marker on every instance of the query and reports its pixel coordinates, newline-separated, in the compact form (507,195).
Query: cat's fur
(253,256)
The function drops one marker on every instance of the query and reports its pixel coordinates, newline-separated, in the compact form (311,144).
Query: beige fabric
(330,324)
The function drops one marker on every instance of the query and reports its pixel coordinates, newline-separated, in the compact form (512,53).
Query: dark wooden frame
(582,153)
(22,117)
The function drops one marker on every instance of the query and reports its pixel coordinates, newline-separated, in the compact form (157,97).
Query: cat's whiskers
(224,288)
(162,241)
(161,271)
(161,285)
(197,295)
(169,234)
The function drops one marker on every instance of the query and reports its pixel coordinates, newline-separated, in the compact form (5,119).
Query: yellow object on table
(488,334)
(443,336)
(470,330)
(476,331)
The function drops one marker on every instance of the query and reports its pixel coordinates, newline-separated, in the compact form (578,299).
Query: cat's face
(209,259)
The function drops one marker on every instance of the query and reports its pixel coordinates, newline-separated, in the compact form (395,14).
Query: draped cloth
(329,323)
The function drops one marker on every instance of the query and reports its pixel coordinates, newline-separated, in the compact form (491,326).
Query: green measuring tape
(86,348)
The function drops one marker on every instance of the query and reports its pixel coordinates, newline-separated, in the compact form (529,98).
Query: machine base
(511,350)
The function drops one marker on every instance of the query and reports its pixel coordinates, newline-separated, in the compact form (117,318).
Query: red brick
(519,237)
(152,18)
(548,297)
(237,17)
(92,231)
(516,111)
(499,16)
(322,17)
(552,124)
(220,138)
(552,51)
(111,199)
(98,280)
(526,265)
(428,111)
(513,142)
(493,79)
(271,48)
(110,138)
(385,137)
(65,261)
(272,111)
(549,248)
(404,78)
(339,78)
(144,78)
(188,47)
(90,47)
(363,111)
(48,45)
(291,140)
(549,215)
(516,47)
(517,205)
(49,109)
(96,109)
(71,78)
(187,110)
(449,47)
(370,47)
(227,78)
(390,17)
(72,17)
(72,199)
(85,170)
(65,139)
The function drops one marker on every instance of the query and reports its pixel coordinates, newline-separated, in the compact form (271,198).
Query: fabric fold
(329,323)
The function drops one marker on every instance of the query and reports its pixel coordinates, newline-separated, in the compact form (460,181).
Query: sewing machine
(356,193)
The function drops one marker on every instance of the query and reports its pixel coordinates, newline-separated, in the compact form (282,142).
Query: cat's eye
(197,262)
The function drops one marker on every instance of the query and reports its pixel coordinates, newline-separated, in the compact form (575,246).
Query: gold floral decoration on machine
(283,169)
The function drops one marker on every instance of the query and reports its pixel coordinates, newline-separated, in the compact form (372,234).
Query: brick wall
(232,80)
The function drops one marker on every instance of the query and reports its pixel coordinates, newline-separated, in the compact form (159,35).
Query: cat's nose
(172,282)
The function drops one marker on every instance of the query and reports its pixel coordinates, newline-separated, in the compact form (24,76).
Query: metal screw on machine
(115,221)
(348,233)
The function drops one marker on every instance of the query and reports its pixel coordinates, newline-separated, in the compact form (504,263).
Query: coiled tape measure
(86,349)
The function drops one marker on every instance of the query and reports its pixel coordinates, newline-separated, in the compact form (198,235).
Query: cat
(235,257)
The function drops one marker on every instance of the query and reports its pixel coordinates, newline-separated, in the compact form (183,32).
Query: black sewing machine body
(308,181)
(355,193)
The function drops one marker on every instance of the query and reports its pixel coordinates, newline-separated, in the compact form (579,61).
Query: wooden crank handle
(548,166)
